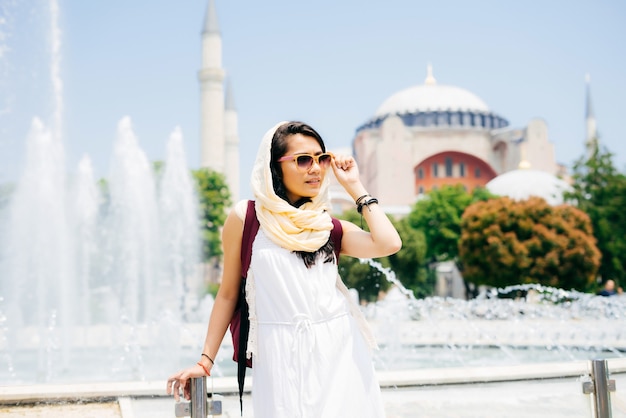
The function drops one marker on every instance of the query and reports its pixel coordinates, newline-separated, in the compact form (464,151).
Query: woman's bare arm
(223,307)
(226,298)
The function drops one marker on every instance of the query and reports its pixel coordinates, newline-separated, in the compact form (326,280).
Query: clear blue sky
(330,63)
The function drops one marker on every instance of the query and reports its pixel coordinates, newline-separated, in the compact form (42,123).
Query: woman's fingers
(170,382)
(187,390)
(345,170)
(174,388)
(174,384)
(343,162)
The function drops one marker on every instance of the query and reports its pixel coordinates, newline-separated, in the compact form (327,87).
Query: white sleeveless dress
(310,358)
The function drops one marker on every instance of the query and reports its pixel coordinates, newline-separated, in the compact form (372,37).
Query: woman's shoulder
(347,225)
(241,208)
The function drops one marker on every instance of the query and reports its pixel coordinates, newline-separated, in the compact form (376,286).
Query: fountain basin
(146,352)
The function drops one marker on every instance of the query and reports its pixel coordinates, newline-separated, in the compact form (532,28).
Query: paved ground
(70,410)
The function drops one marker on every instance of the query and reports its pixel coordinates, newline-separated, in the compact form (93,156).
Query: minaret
(231,138)
(591,141)
(211,77)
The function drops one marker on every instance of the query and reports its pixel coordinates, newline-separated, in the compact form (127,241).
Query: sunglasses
(305,161)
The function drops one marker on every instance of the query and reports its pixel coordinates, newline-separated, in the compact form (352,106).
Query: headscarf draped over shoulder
(306,228)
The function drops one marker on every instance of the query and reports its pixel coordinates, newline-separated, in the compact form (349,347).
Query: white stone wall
(395,180)
(429,143)
(539,151)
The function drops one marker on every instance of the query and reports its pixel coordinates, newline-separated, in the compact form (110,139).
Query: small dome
(431,97)
(524,183)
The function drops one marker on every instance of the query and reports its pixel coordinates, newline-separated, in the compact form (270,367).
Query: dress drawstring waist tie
(303,345)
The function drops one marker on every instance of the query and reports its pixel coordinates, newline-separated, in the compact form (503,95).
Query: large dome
(431,97)
(524,183)
(433,106)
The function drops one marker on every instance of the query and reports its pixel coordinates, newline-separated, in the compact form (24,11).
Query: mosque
(419,139)
(430,135)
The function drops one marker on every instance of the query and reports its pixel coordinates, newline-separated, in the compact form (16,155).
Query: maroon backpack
(240,322)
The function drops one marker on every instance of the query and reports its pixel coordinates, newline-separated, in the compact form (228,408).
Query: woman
(310,348)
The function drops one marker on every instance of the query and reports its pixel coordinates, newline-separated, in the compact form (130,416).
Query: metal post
(201,404)
(198,397)
(600,372)
(600,386)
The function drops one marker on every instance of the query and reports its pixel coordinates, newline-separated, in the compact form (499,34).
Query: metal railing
(598,386)
(201,403)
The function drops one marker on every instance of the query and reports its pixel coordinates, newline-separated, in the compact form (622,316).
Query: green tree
(409,264)
(158,167)
(506,242)
(599,190)
(214,198)
(438,216)
(367,280)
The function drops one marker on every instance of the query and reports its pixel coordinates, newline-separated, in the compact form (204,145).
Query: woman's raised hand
(345,169)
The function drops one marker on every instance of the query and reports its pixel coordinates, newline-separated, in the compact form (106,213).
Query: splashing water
(546,324)
(390,275)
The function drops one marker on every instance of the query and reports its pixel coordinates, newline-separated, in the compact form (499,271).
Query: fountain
(85,268)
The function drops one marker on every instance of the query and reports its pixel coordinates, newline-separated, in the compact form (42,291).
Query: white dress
(310,358)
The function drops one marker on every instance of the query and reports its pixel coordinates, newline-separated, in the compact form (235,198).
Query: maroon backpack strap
(250,228)
(240,324)
(336,234)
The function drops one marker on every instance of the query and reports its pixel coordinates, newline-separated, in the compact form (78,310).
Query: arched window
(448,167)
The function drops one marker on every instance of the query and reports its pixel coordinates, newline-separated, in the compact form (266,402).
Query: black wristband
(367,203)
(210,359)
(361,198)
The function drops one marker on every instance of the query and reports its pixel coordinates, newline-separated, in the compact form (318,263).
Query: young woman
(311,349)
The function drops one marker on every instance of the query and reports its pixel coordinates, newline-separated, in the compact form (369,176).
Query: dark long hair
(280,143)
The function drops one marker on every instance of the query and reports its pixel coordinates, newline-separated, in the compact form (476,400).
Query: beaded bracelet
(210,359)
(204,368)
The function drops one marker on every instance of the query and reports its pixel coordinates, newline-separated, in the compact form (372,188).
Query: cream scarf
(306,228)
